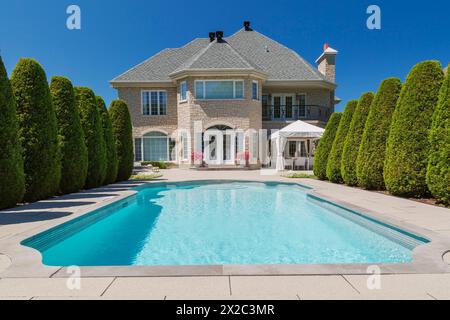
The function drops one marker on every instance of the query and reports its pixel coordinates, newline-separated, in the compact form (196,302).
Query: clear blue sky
(116,35)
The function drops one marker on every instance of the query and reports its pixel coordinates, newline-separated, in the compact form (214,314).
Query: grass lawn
(299,175)
(146,177)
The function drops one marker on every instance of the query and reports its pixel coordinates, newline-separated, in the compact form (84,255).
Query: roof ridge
(240,56)
(192,59)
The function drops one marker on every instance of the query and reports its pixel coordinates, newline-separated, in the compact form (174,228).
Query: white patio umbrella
(299,130)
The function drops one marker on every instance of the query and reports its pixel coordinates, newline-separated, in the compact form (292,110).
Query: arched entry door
(219,145)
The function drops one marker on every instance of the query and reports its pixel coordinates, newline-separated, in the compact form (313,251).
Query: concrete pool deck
(23,277)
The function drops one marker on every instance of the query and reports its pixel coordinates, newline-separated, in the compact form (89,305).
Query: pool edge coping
(26,262)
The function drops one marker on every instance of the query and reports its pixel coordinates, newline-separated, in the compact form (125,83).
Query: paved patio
(16,282)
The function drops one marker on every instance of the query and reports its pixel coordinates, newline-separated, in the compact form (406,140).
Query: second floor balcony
(295,112)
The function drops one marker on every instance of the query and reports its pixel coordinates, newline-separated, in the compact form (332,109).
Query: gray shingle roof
(216,55)
(247,50)
(278,61)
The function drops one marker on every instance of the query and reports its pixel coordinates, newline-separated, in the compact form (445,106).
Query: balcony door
(277,102)
(283,106)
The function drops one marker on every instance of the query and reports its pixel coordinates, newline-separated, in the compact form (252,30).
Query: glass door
(277,100)
(289,104)
(228,151)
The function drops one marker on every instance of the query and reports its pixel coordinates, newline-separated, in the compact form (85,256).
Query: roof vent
(212,36)
(219,35)
(247,26)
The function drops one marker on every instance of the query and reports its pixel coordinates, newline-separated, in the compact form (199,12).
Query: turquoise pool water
(219,222)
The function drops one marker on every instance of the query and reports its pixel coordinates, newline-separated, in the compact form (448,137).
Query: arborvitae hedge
(74,156)
(37,130)
(324,148)
(110,143)
(93,134)
(370,162)
(121,122)
(334,159)
(408,145)
(12,178)
(353,140)
(438,173)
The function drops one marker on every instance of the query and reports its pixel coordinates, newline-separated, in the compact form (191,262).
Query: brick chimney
(326,63)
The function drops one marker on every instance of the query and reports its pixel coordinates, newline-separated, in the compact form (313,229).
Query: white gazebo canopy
(297,130)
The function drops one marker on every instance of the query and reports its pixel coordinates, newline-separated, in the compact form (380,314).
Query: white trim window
(155,146)
(138,150)
(184,142)
(255,90)
(219,89)
(154,103)
(183,91)
(301,101)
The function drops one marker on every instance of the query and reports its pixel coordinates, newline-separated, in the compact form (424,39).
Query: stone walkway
(24,219)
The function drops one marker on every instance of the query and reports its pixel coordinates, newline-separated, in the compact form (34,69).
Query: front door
(219,147)
(229,147)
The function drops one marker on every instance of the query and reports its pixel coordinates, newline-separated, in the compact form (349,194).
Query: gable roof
(245,50)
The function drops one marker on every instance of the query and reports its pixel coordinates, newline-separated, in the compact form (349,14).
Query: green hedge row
(408,144)
(334,160)
(353,139)
(57,139)
(324,147)
(398,140)
(93,135)
(38,133)
(438,172)
(123,135)
(12,178)
(370,162)
(74,156)
(108,136)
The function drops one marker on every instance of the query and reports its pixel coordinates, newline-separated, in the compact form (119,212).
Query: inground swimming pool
(223,223)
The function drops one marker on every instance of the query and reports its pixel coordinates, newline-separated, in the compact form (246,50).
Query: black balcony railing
(293,112)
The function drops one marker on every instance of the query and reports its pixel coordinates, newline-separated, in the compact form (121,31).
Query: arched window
(156,146)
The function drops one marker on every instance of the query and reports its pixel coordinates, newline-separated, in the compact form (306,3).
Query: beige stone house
(243,82)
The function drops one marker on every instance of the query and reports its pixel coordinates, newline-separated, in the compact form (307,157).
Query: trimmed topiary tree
(93,135)
(325,145)
(370,162)
(353,139)
(74,156)
(438,173)
(12,178)
(408,145)
(110,143)
(121,123)
(37,130)
(334,159)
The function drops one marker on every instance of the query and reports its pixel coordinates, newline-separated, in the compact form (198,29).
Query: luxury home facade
(180,98)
